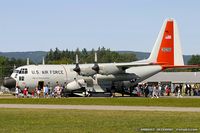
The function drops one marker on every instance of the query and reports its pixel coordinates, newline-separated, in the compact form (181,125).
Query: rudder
(167,48)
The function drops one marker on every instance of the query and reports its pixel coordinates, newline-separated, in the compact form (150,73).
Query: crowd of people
(145,90)
(157,90)
(38,92)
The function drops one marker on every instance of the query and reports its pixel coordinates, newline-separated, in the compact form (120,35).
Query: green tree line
(195,60)
(104,56)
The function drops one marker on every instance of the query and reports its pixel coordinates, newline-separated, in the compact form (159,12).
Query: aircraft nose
(9,82)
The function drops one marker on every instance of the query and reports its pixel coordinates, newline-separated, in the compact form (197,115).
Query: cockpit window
(15,75)
(23,71)
(16,71)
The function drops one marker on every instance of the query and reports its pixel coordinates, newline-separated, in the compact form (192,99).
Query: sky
(41,25)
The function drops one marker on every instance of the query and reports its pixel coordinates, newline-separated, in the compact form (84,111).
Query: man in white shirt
(16,91)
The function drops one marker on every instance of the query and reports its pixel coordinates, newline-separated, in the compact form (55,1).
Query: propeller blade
(77,62)
(77,68)
(96,66)
(95,57)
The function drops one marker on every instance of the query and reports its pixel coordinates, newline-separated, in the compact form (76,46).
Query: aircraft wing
(116,68)
(136,64)
(163,64)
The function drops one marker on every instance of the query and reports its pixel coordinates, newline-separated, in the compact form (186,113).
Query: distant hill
(36,56)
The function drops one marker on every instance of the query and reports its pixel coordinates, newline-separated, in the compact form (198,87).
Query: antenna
(43,61)
(27,61)
(14,67)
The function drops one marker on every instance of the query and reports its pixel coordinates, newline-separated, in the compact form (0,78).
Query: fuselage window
(21,78)
(26,71)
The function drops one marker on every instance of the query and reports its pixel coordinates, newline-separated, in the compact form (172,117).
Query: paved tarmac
(101,107)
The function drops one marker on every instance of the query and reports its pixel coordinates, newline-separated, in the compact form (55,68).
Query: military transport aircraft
(97,77)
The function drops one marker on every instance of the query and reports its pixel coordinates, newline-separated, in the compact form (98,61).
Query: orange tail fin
(167,48)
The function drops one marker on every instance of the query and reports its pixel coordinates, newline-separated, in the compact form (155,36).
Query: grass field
(44,120)
(60,120)
(169,102)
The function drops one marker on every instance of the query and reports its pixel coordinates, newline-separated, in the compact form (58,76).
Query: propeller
(77,68)
(96,66)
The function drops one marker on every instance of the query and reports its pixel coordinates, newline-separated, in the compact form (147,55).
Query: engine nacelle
(76,84)
(88,71)
(109,69)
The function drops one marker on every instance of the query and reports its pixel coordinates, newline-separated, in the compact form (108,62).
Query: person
(45,91)
(37,91)
(155,92)
(150,90)
(33,93)
(198,92)
(57,90)
(190,89)
(17,91)
(186,89)
(159,89)
(25,91)
(123,90)
(51,92)
(62,90)
(167,89)
(146,90)
(113,90)
(180,86)
(176,90)
(179,93)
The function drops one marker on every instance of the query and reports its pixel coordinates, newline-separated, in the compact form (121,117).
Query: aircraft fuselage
(51,75)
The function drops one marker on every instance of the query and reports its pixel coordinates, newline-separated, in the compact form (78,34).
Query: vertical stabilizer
(167,49)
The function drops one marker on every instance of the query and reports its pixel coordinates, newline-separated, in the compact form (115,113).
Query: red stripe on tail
(166,51)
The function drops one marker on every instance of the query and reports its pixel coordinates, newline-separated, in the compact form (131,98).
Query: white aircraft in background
(96,77)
